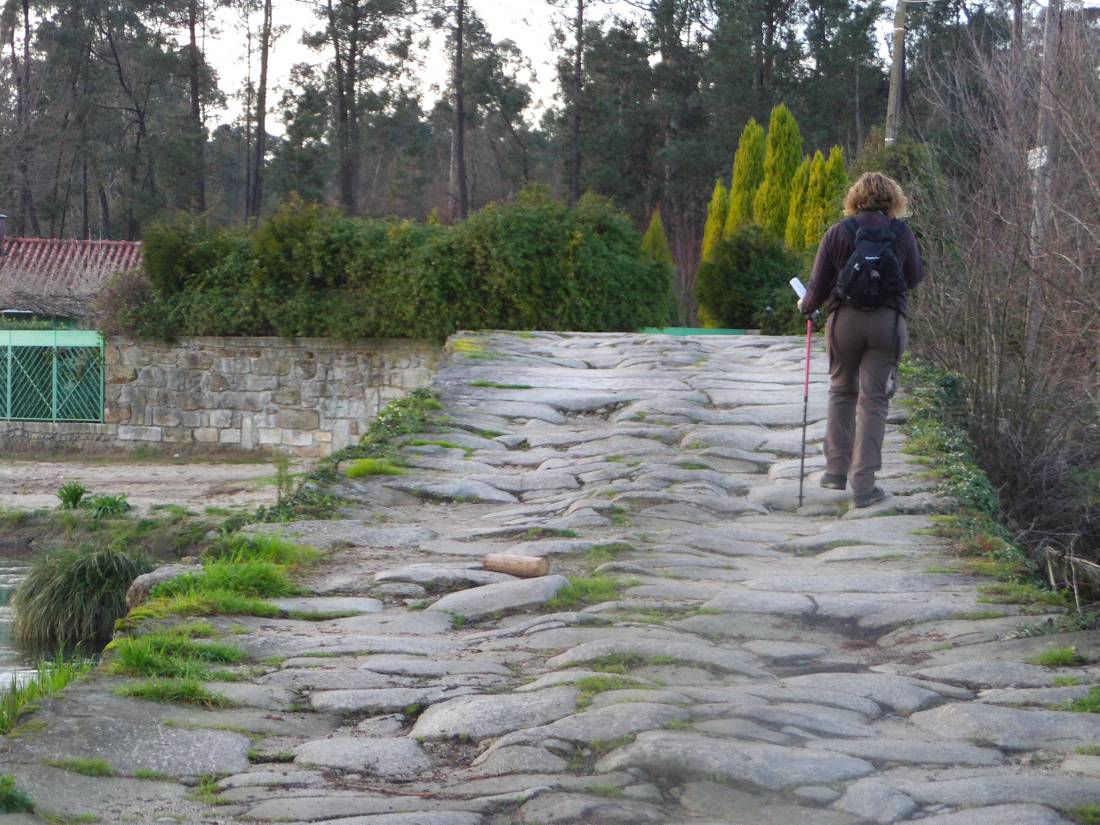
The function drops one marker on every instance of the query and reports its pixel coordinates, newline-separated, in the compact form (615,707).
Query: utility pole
(897,76)
(1040,162)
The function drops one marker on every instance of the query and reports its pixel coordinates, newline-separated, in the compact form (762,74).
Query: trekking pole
(805,410)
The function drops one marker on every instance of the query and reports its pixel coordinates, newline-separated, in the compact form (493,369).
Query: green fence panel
(54,375)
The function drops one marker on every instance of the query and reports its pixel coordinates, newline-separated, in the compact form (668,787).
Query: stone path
(757,665)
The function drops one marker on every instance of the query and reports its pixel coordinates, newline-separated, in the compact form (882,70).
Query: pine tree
(816,202)
(796,223)
(655,242)
(748,172)
(782,154)
(716,219)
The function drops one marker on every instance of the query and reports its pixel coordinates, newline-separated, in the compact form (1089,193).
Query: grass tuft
(592,686)
(209,603)
(48,678)
(155,776)
(244,578)
(1089,703)
(239,547)
(175,691)
(498,386)
(86,767)
(603,553)
(584,591)
(1086,814)
(362,467)
(13,800)
(72,597)
(168,655)
(1058,657)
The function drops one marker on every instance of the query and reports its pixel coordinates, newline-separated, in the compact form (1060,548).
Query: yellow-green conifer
(817,202)
(716,219)
(796,225)
(836,176)
(782,154)
(748,172)
(655,242)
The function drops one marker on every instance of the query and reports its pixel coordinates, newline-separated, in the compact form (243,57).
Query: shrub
(743,276)
(70,494)
(104,506)
(72,597)
(306,270)
(13,800)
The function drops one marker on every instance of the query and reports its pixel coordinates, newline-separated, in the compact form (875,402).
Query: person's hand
(800,309)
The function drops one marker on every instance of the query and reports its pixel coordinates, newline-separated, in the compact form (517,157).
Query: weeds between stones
(1089,750)
(603,553)
(168,655)
(257,757)
(49,678)
(175,691)
(592,686)
(498,386)
(612,791)
(85,767)
(583,591)
(153,776)
(365,467)
(1089,703)
(207,790)
(1086,814)
(13,800)
(1058,657)
(1067,681)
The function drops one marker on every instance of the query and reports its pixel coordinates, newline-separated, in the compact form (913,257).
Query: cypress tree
(654,245)
(816,206)
(748,172)
(796,223)
(716,219)
(836,176)
(782,154)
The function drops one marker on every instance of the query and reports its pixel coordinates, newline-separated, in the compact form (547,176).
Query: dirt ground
(32,484)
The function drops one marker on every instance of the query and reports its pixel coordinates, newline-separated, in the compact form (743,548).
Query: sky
(529,23)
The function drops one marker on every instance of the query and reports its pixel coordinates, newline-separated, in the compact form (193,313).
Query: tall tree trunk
(28,215)
(198,135)
(460,201)
(578,67)
(1042,162)
(1017,26)
(261,118)
(897,76)
(104,213)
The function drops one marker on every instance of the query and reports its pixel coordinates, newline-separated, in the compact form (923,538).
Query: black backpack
(872,275)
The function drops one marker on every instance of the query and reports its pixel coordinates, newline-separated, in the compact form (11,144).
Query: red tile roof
(60,277)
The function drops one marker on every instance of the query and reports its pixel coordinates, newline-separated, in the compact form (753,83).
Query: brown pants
(864,346)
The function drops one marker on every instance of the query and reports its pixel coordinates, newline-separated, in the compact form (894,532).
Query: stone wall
(307,397)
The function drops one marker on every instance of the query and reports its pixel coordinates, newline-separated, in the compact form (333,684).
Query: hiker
(864,267)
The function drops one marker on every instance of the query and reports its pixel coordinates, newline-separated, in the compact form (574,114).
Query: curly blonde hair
(876,192)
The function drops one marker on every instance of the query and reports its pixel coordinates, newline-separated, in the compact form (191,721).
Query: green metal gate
(51,375)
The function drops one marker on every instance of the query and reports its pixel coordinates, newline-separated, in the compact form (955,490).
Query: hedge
(307,270)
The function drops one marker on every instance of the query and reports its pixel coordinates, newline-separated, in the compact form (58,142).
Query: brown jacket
(839,244)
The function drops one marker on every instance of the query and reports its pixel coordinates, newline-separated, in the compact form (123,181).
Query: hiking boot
(867,499)
(834,481)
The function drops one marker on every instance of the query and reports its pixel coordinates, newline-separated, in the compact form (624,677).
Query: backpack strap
(852,225)
(894,228)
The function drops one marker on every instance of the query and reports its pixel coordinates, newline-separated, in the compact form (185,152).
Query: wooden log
(525,567)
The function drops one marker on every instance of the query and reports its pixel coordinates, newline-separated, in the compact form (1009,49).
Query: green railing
(51,375)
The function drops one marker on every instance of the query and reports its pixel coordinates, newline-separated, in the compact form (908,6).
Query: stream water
(13,662)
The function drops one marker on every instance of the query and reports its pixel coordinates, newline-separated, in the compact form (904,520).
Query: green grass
(71,494)
(86,767)
(1067,681)
(49,678)
(1089,750)
(372,467)
(603,553)
(1086,814)
(592,686)
(623,663)
(1089,703)
(258,757)
(601,789)
(535,533)
(238,547)
(209,603)
(446,445)
(244,578)
(1022,593)
(175,691)
(583,591)
(692,465)
(168,655)
(978,615)
(499,386)
(1058,657)
(13,800)
(207,790)
(72,597)
(155,776)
